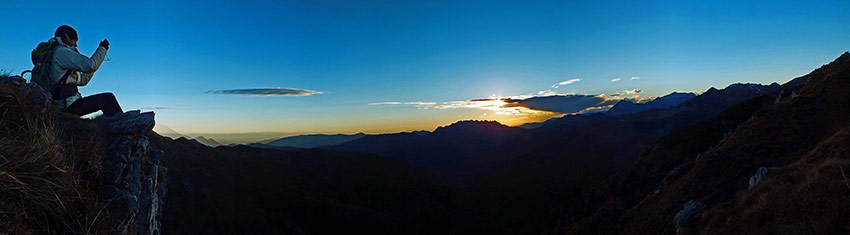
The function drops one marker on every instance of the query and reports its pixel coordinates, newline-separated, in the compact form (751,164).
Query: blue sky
(171,55)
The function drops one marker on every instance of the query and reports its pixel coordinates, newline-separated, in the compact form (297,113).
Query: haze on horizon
(252,70)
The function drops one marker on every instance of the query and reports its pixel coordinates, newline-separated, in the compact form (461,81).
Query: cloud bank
(534,108)
(267,92)
(526,105)
(566,104)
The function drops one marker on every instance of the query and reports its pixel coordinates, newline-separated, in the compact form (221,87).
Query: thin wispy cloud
(633,91)
(487,103)
(547,93)
(417,103)
(596,109)
(155,108)
(384,103)
(267,92)
(635,78)
(421,103)
(616,79)
(498,105)
(567,82)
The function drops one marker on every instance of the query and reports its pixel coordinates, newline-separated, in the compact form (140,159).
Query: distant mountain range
(744,159)
(168,132)
(209,142)
(467,147)
(314,141)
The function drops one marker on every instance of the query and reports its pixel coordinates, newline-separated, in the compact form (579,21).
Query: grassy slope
(48,182)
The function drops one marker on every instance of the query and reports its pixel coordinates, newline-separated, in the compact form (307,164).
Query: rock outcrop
(688,210)
(134,173)
(38,96)
(758,177)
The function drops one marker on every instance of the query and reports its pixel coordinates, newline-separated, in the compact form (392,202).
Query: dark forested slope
(251,190)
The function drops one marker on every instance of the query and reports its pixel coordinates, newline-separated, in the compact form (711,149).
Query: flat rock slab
(132,122)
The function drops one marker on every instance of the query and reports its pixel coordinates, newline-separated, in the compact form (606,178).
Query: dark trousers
(104,102)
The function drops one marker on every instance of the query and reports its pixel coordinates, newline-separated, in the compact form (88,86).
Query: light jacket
(67,57)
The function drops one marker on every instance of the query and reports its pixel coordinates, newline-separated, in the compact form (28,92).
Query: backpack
(42,58)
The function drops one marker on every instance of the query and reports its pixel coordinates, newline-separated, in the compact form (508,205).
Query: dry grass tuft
(49,170)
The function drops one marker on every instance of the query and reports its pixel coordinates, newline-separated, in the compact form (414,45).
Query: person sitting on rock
(77,70)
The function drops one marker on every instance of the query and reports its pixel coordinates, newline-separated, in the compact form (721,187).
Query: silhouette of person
(77,70)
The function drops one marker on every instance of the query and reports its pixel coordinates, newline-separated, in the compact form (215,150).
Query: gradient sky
(168,57)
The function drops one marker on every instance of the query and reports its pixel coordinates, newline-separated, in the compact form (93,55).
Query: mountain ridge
(779,132)
(207,141)
(445,145)
(666,101)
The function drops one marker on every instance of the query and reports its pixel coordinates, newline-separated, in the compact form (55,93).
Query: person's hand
(105,44)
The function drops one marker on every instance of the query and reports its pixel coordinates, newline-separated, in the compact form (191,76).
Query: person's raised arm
(85,78)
